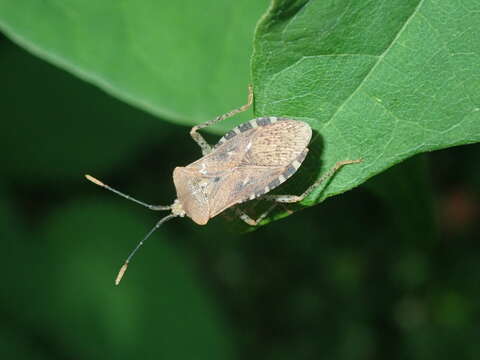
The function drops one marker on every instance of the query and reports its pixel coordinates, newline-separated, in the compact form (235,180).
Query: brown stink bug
(247,162)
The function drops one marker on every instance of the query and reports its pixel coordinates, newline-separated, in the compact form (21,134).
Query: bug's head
(177,208)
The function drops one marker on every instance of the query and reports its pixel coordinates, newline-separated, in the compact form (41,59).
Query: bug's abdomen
(258,181)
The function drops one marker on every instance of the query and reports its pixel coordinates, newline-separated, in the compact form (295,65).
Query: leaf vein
(379,60)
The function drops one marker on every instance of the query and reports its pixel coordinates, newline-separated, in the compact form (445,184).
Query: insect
(247,163)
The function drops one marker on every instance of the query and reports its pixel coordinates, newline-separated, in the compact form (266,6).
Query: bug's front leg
(199,139)
(311,188)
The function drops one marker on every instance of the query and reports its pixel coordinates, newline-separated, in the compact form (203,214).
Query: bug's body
(247,162)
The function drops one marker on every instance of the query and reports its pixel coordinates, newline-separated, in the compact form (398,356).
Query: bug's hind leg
(199,139)
(316,184)
(253,222)
(292,198)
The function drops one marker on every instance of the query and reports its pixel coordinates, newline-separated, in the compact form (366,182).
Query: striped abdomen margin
(252,124)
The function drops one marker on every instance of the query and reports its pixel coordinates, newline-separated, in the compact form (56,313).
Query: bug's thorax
(198,183)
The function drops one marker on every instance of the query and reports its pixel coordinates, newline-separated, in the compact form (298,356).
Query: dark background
(387,270)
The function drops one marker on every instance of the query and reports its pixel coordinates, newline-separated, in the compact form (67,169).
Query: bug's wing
(278,144)
(273,154)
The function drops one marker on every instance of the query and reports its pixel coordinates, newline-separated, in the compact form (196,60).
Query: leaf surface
(376,80)
(186,61)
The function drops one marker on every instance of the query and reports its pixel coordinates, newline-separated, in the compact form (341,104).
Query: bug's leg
(128,197)
(206,148)
(253,222)
(326,176)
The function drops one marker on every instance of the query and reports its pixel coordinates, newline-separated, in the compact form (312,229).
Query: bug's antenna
(128,197)
(125,265)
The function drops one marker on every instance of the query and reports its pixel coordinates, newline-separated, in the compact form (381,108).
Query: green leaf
(184,60)
(57,127)
(376,80)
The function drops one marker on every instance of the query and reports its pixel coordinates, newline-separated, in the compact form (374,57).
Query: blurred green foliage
(389,270)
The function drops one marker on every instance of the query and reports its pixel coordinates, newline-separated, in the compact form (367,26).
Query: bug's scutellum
(247,163)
